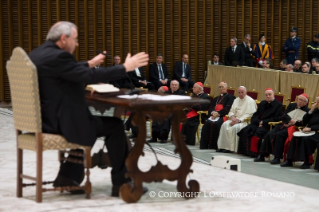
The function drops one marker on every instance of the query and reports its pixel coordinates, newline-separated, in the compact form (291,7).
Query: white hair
(59,28)
(304,97)
(243,88)
(175,81)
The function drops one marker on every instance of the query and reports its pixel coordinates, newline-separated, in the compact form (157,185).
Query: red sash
(192,113)
(219,107)
(254,144)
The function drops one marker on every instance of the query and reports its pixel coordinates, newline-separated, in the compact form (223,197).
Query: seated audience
(243,107)
(219,108)
(275,140)
(290,68)
(269,110)
(161,130)
(283,64)
(297,66)
(305,68)
(216,60)
(302,147)
(314,63)
(189,128)
(125,81)
(159,75)
(182,73)
(139,80)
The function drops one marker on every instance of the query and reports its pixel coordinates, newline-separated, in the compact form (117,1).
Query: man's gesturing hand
(138,60)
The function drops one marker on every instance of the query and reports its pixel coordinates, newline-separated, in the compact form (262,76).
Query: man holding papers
(304,145)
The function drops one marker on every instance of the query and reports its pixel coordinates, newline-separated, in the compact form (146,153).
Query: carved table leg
(186,160)
(132,192)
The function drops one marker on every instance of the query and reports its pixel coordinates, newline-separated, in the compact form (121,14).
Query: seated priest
(305,144)
(243,107)
(275,140)
(189,128)
(161,130)
(138,78)
(219,108)
(269,110)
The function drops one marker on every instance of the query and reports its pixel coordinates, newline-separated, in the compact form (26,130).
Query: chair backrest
(296,91)
(280,97)
(253,94)
(231,91)
(23,79)
(208,90)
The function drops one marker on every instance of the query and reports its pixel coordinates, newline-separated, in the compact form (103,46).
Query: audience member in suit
(190,126)
(314,63)
(159,75)
(289,68)
(297,66)
(124,82)
(216,60)
(248,51)
(305,68)
(138,78)
(283,65)
(182,73)
(234,53)
(63,107)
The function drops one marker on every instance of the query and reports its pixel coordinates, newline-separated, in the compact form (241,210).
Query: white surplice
(241,109)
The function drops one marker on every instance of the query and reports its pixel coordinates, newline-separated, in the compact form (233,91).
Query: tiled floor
(214,182)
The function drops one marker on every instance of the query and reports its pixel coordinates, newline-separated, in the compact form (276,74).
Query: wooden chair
(254,95)
(27,121)
(295,91)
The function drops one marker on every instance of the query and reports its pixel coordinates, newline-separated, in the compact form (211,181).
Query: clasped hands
(184,79)
(234,120)
(164,82)
(214,115)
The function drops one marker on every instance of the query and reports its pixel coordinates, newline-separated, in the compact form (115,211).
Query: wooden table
(157,110)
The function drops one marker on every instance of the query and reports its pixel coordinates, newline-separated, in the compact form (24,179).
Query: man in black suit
(63,106)
(159,75)
(216,60)
(248,51)
(124,82)
(234,54)
(182,73)
(138,78)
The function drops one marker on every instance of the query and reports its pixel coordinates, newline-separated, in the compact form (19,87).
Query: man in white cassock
(244,106)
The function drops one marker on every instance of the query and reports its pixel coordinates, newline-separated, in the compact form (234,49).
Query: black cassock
(190,126)
(210,130)
(301,147)
(161,130)
(250,135)
(274,141)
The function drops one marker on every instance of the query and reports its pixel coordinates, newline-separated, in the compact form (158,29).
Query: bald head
(222,87)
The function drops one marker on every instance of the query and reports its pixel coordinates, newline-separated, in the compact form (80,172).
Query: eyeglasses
(221,87)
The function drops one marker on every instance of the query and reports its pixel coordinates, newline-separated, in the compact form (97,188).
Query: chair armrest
(202,112)
(274,123)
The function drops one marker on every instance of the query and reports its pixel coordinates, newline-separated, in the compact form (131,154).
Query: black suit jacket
(135,79)
(61,86)
(178,71)
(238,56)
(154,75)
(247,52)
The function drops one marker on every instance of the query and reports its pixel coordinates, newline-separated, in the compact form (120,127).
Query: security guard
(313,48)
(291,46)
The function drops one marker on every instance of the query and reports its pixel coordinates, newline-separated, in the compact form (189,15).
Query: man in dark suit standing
(182,73)
(248,51)
(234,54)
(138,78)
(63,106)
(124,82)
(159,75)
